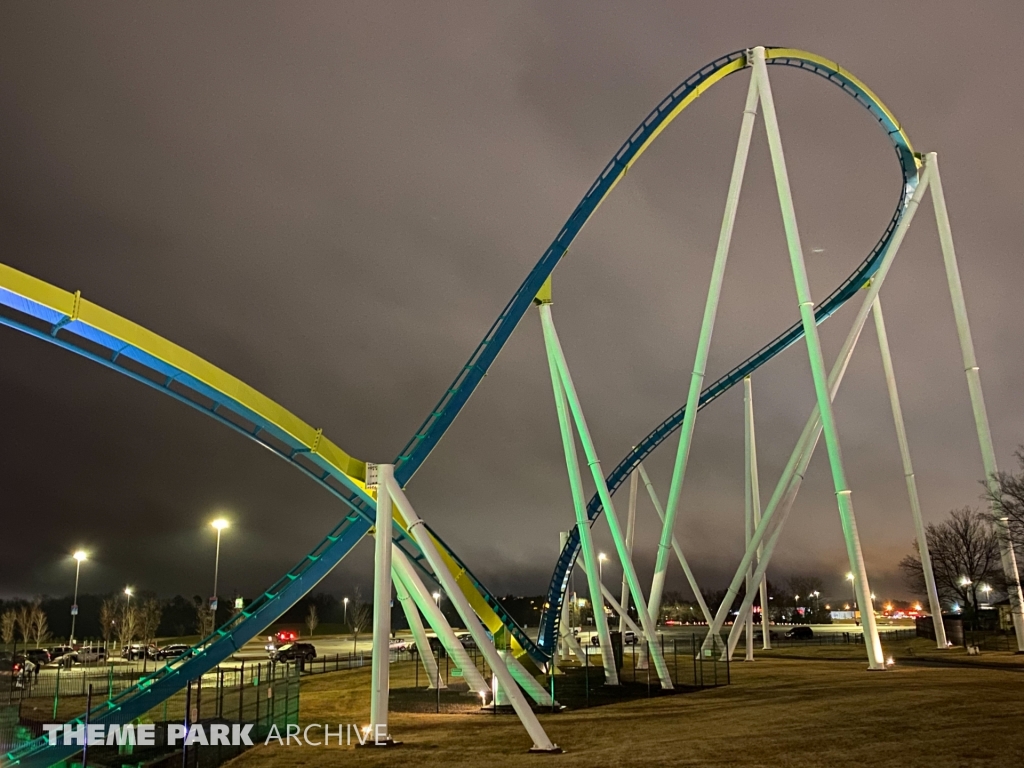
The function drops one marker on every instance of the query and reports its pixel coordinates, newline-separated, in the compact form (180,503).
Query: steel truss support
(703,346)
(541,742)
(988,454)
(792,475)
(844,495)
(419,634)
(908,473)
(410,579)
(555,355)
(381,660)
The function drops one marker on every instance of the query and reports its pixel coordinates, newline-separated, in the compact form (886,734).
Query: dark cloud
(333,202)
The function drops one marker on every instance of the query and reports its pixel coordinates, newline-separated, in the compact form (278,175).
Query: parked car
(172,651)
(466,639)
(63,655)
(138,651)
(39,656)
(629,637)
(800,633)
(91,654)
(399,645)
(299,652)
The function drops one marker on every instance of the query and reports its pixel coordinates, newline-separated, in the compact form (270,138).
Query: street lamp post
(219,525)
(79,556)
(128,626)
(345,602)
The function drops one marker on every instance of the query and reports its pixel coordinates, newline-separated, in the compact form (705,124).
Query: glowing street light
(127,600)
(345,602)
(80,557)
(437,599)
(600,565)
(853,585)
(219,525)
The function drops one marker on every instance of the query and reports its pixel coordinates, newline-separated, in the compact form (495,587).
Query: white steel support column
(381,659)
(844,495)
(418,531)
(748,509)
(572,465)
(646,621)
(813,426)
(988,454)
(630,532)
(908,474)
(690,578)
(703,345)
(418,591)
(755,506)
(412,616)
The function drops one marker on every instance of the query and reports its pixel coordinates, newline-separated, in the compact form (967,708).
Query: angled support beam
(754,495)
(572,465)
(420,595)
(623,616)
(541,742)
(690,578)
(419,634)
(796,466)
(703,345)
(590,452)
(844,495)
(908,474)
(973,372)
(630,533)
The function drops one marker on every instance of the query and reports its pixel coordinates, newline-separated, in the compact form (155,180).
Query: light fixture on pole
(853,585)
(600,565)
(437,599)
(345,603)
(219,525)
(80,556)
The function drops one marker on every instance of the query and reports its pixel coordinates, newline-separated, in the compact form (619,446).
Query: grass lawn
(823,709)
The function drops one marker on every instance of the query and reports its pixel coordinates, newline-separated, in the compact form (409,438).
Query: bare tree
(23,622)
(359,615)
(312,619)
(8,623)
(1008,502)
(40,626)
(965,555)
(150,614)
(109,618)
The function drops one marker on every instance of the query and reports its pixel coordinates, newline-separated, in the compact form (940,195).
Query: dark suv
(300,652)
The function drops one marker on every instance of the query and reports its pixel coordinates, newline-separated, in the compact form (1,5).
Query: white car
(91,654)
(399,645)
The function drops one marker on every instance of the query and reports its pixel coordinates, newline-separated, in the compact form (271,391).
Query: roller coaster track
(66,319)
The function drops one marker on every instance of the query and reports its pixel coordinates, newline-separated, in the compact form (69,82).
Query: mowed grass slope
(779,712)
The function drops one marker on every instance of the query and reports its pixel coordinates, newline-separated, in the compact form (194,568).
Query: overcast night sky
(333,201)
